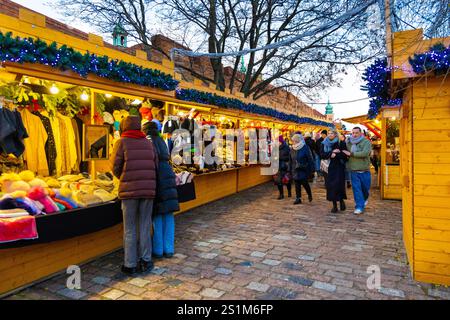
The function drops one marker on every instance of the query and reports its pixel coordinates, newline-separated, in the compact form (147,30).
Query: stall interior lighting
(136,102)
(108,95)
(54,89)
(84,96)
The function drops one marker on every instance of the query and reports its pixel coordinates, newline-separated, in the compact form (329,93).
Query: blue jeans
(163,234)
(361,185)
(347,175)
(317,163)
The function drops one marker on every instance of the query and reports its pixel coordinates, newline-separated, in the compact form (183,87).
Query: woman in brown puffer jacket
(135,163)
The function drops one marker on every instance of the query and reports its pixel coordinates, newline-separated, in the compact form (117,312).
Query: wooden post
(92,96)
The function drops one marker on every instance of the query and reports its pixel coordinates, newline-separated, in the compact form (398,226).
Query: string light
(54,89)
(193,95)
(84,96)
(16,49)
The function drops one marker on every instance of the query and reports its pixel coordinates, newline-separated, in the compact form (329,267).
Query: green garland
(65,58)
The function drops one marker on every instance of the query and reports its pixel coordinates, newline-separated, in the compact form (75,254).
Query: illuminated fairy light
(84,96)
(54,89)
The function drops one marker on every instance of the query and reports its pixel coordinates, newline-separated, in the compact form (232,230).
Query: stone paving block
(201,244)
(282,237)
(271,262)
(130,297)
(256,286)
(396,263)
(324,286)
(351,248)
(439,294)
(342,282)
(180,256)
(158,270)
(292,266)
(216,241)
(300,280)
(392,292)
(224,271)
(173,282)
(101,280)
(246,263)
(307,258)
(207,255)
(257,254)
(212,293)
(138,282)
(283,293)
(129,288)
(72,293)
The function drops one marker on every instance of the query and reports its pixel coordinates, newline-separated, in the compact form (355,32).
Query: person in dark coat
(312,146)
(332,150)
(166,196)
(283,167)
(323,135)
(301,164)
(134,161)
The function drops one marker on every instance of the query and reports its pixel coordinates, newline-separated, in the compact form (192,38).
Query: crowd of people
(147,188)
(330,157)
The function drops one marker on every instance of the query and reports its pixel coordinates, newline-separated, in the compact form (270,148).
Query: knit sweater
(360,160)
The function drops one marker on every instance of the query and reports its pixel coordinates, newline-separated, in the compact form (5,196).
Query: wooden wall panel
(22,266)
(431,191)
(406,175)
(251,176)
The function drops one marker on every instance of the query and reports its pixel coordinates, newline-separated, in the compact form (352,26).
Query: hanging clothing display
(77,142)
(170,126)
(68,144)
(50,146)
(34,155)
(12,132)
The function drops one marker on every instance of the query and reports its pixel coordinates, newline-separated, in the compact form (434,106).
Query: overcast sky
(350,86)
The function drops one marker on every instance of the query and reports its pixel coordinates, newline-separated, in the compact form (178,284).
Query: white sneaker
(357,211)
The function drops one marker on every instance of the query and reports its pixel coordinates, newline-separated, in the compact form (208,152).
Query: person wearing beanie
(282,177)
(166,202)
(332,151)
(301,165)
(134,162)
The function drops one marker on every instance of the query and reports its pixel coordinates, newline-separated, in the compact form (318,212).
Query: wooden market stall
(425,159)
(77,236)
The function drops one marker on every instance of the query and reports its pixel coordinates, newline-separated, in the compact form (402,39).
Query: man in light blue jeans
(359,167)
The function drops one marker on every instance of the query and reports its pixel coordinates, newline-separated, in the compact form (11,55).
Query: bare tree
(219,26)
(104,15)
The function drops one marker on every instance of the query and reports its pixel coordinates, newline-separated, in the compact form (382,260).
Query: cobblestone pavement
(252,246)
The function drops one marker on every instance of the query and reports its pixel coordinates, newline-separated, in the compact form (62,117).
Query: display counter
(74,238)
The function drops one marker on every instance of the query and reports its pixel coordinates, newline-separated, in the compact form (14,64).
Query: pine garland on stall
(65,58)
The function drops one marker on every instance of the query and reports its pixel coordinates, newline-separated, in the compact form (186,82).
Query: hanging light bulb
(108,96)
(54,89)
(136,102)
(84,96)
(26,80)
